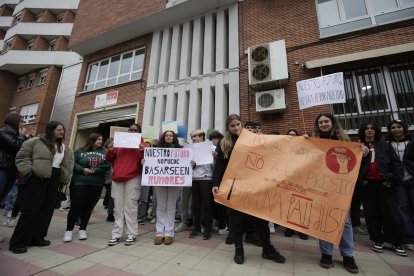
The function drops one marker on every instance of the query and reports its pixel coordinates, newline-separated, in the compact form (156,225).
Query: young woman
(201,193)
(166,198)
(88,180)
(404,147)
(234,128)
(380,170)
(48,163)
(126,188)
(327,127)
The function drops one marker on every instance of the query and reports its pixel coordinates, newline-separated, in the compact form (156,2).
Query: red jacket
(126,163)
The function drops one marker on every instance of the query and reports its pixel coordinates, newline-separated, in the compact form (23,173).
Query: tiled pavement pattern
(184,257)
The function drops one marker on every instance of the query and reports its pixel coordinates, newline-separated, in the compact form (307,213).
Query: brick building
(34,39)
(194,61)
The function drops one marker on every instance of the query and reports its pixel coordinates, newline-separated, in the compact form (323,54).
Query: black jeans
(237,225)
(356,205)
(82,200)
(202,203)
(36,207)
(381,213)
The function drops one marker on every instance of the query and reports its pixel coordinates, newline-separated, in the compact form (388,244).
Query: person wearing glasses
(126,188)
(403,145)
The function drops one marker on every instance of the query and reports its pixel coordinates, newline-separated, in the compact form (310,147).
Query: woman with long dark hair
(88,180)
(47,163)
(327,127)
(224,150)
(380,170)
(166,198)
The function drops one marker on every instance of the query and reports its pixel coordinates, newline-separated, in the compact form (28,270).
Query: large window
(115,70)
(341,16)
(28,112)
(380,94)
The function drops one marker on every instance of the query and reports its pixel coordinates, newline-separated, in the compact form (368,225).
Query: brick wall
(48,17)
(109,14)
(128,92)
(61,44)
(2,34)
(28,16)
(40,44)
(19,43)
(68,17)
(296,21)
(6,11)
(8,83)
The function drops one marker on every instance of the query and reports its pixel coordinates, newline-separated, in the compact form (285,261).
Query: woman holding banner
(224,149)
(327,127)
(166,198)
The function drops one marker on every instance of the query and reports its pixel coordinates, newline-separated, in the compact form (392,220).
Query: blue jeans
(405,202)
(346,245)
(7,178)
(10,199)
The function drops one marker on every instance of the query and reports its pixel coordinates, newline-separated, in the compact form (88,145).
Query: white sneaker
(82,235)
(1,239)
(153,220)
(9,214)
(223,231)
(67,236)
(9,222)
(272,227)
(181,227)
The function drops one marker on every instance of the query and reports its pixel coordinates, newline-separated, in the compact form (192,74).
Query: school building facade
(195,62)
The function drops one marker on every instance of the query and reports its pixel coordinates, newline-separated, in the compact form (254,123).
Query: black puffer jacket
(221,162)
(10,143)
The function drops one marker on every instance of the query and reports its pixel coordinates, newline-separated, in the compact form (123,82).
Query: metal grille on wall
(378,94)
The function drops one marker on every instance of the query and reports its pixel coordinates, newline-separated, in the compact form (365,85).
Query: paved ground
(184,257)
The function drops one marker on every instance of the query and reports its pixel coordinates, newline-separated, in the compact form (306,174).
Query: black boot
(289,232)
(239,255)
(350,265)
(270,253)
(326,261)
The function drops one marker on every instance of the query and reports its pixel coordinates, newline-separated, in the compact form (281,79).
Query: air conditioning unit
(268,65)
(270,101)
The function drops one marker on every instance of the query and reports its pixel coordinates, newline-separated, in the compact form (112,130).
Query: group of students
(385,187)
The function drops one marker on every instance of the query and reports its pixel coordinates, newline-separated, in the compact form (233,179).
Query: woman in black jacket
(224,149)
(12,136)
(403,145)
(380,170)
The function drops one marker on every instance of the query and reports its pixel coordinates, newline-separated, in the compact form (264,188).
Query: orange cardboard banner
(303,184)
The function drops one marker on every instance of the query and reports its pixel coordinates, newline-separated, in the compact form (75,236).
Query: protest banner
(202,152)
(303,184)
(169,125)
(327,89)
(127,140)
(167,167)
(150,132)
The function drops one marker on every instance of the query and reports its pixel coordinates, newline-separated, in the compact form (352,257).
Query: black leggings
(82,200)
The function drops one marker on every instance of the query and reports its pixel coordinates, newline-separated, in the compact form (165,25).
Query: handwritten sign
(167,167)
(151,132)
(169,125)
(202,152)
(327,89)
(303,184)
(127,140)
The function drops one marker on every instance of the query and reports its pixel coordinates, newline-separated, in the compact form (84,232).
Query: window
(59,18)
(52,44)
(42,77)
(28,112)
(30,82)
(8,46)
(20,84)
(18,19)
(379,94)
(30,45)
(341,16)
(115,70)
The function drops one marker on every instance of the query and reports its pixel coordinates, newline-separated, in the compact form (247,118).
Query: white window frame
(29,112)
(30,45)
(30,81)
(42,77)
(18,18)
(59,18)
(371,14)
(118,74)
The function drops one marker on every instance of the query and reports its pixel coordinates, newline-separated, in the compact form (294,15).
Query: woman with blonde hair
(224,150)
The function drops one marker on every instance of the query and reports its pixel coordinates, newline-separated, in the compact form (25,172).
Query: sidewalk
(184,257)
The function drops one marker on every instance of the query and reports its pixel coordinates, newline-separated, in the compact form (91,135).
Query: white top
(58,157)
